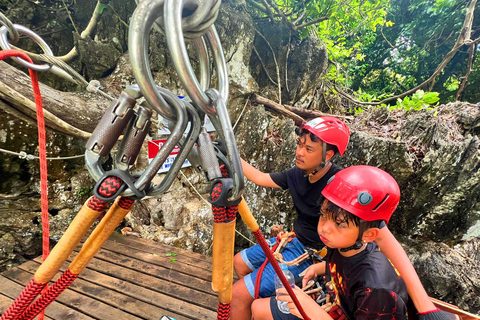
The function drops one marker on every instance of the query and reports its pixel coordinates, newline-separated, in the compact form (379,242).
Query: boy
(362,282)
(320,139)
(318,142)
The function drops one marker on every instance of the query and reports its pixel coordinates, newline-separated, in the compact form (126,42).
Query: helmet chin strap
(322,165)
(359,243)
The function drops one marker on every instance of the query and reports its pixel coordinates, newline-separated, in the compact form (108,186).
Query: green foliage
(417,101)
(423,32)
(84,192)
(172,255)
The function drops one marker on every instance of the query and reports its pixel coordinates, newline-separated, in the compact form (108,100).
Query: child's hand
(311,308)
(310,274)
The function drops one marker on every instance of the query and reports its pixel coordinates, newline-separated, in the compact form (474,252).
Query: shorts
(254,258)
(279,315)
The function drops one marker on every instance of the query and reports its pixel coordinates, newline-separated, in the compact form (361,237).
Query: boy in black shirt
(319,140)
(361,280)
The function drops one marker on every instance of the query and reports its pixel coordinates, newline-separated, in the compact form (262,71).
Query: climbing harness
(130,115)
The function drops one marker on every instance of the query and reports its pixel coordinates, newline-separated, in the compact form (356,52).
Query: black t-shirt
(306,198)
(366,285)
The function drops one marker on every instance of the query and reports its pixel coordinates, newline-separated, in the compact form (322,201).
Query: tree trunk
(73,113)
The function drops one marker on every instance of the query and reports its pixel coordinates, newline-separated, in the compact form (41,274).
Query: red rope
(51,294)
(4,54)
(266,249)
(28,294)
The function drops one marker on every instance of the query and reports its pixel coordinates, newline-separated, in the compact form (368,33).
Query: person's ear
(329,154)
(370,235)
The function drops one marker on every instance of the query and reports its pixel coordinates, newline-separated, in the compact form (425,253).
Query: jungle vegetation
(401,53)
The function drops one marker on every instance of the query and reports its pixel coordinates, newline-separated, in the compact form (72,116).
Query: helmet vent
(381,202)
(364,198)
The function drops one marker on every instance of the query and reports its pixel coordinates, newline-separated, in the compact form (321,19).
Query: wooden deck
(130,278)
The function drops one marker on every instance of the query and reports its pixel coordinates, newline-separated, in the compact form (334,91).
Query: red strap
(42,149)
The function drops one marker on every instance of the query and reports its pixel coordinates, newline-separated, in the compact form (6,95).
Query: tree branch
(255,98)
(258,6)
(310,23)
(471,55)
(279,83)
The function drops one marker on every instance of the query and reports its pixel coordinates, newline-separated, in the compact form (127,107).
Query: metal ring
(32,35)
(176,44)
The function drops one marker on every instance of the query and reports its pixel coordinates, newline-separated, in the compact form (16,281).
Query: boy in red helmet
(362,282)
(319,140)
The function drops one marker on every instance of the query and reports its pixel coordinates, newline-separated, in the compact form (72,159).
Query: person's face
(308,154)
(336,234)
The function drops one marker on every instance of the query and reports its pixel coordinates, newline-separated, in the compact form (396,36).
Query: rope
(24,155)
(42,143)
(222,215)
(51,294)
(28,294)
(266,249)
(107,188)
(12,32)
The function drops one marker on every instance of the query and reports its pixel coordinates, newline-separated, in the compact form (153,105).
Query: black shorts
(279,315)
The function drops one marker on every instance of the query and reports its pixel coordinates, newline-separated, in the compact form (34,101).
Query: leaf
(101,7)
(173,260)
(389,23)
(431,97)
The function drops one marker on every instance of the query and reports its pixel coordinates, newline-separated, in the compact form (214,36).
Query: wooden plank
(179,308)
(114,298)
(171,272)
(159,285)
(11,290)
(187,257)
(156,265)
(74,300)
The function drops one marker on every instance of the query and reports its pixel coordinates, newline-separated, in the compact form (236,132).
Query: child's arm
(395,253)
(313,310)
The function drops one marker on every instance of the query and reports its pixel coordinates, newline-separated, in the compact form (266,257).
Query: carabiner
(176,45)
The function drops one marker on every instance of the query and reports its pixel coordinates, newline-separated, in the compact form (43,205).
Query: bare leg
(241,268)
(241,302)
(261,309)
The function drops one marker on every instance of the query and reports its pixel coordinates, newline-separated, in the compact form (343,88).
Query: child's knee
(261,309)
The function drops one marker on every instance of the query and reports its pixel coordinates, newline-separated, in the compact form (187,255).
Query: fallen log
(72,113)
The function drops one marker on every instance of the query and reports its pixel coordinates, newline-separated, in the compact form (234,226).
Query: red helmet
(367,192)
(330,130)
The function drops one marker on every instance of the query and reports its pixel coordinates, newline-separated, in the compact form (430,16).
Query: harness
(283,238)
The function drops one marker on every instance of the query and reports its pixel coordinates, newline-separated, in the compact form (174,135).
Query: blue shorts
(254,258)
